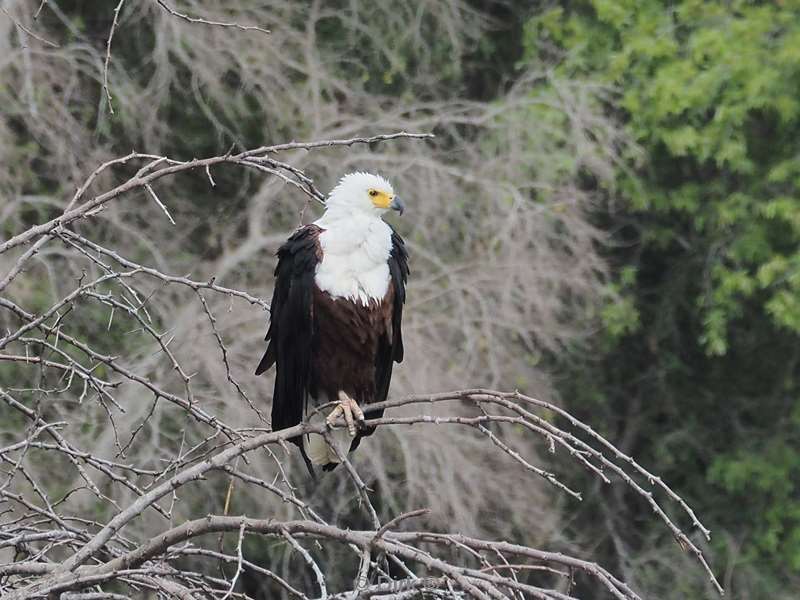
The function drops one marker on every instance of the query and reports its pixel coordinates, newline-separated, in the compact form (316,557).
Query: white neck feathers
(355,254)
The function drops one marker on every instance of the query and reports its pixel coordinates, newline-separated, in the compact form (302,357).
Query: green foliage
(770,472)
(620,317)
(700,356)
(709,90)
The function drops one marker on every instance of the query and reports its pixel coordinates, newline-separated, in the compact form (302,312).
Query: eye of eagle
(373,193)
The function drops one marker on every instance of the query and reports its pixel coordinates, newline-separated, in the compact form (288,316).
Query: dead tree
(62,547)
(126,455)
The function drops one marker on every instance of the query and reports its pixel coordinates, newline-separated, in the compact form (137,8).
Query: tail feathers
(309,466)
(319,452)
(266,361)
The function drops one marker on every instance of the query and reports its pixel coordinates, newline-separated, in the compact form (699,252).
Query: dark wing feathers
(291,326)
(398,268)
(390,348)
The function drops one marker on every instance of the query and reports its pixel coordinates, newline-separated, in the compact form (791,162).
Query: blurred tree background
(697,367)
(609,216)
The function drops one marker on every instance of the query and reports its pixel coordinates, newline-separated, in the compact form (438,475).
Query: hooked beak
(397,205)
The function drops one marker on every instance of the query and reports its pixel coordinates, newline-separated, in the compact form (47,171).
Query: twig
(28,31)
(185,17)
(108,55)
(39,10)
(239,561)
(323,590)
(143,178)
(153,195)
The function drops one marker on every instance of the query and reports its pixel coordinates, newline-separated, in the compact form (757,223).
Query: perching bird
(335,317)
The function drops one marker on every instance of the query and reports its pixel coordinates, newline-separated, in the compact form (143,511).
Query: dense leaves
(699,367)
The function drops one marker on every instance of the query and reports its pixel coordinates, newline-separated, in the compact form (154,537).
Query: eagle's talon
(330,420)
(358,414)
(349,408)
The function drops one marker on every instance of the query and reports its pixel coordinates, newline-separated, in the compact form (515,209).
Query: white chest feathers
(355,254)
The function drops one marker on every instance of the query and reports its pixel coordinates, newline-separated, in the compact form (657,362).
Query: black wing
(390,348)
(291,326)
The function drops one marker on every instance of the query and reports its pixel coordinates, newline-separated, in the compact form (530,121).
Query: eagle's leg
(350,409)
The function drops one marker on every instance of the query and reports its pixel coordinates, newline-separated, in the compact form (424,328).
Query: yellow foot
(350,409)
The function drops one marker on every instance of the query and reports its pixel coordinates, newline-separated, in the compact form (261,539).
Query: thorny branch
(27,31)
(111,31)
(90,547)
(190,19)
(157,167)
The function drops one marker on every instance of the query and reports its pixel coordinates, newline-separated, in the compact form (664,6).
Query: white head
(363,193)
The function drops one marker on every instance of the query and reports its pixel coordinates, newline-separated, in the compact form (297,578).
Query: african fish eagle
(335,317)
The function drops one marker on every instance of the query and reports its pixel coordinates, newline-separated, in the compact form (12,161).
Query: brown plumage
(347,362)
(322,345)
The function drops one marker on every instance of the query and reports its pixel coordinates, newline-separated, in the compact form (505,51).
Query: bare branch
(185,17)
(28,31)
(144,178)
(108,55)
(115,337)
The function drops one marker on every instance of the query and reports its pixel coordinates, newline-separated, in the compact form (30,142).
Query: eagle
(336,317)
